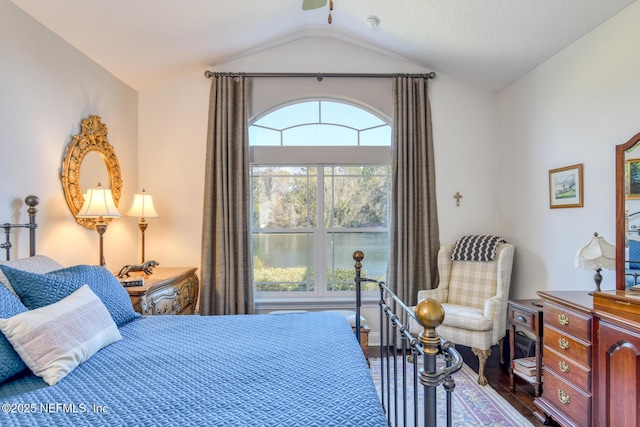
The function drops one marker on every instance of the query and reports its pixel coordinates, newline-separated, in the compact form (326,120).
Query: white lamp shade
(142,206)
(98,202)
(598,253)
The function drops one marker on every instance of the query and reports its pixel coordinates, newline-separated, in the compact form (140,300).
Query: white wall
(574,108)
(173,127)
(173,124)
(46,89)
(494,149)
(173,130)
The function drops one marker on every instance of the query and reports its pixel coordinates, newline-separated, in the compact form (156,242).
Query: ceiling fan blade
(313,4)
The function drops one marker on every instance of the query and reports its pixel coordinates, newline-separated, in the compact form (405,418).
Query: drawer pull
(563,319)
(521,318)
(564,344)
(564,397)
(563,366)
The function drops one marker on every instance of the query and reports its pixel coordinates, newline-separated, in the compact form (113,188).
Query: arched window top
(320,123)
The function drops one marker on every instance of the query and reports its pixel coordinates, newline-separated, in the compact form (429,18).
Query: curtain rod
(432,75)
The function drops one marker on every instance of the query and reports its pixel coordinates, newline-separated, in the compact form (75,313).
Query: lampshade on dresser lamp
(98,203)
(142,207)
(596,255)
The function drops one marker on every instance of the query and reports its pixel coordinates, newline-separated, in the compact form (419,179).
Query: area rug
(473,404)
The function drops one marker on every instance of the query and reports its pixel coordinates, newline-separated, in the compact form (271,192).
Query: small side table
(526,314)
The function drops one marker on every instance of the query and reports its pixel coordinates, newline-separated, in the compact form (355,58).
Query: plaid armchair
(474,296)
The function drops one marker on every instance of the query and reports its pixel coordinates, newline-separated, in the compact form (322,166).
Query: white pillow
(53,340)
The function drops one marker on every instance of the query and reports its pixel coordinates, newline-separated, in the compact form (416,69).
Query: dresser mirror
(90,159)
(628,212)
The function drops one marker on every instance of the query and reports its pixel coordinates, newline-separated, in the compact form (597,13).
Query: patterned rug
(473,404)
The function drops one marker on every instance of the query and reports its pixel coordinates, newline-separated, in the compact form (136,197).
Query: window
(320,189)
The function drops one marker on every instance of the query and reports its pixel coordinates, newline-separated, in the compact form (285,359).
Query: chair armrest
(496,309)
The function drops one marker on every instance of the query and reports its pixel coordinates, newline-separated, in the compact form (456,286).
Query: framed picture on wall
(632,177)
(566,187)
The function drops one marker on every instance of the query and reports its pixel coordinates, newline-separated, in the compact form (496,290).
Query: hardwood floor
(498,376)
(521,398)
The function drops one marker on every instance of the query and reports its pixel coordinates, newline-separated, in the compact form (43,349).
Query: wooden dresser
(591,359)
(567,394)
(166,291)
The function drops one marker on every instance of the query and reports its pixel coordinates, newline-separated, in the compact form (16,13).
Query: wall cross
(457,196)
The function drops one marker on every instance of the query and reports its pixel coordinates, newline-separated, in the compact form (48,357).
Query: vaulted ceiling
(492,42)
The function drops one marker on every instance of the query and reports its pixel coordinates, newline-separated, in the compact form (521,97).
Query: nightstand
(527,315)
(166,291)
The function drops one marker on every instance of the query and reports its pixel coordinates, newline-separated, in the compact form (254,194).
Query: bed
(302,369)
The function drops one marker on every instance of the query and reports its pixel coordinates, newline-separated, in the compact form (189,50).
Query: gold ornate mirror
(90,142)
(627,205)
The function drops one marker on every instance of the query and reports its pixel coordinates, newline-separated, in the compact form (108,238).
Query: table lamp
(596,255)
(142,207)
(98,203)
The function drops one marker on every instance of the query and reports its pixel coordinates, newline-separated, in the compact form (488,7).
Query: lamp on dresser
(98,203)
(596,255)
(142,207)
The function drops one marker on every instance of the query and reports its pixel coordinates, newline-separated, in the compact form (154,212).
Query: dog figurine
(147,268)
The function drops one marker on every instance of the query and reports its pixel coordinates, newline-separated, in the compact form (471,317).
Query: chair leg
(483,355)
(501,347)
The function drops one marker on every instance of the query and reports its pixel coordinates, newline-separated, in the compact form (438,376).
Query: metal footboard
(401,352)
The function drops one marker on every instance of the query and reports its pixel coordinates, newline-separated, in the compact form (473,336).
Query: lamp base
(598,279)
(142,225)
(101,228)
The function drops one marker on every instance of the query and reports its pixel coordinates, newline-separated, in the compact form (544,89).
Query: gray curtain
(226,265)
(415,238)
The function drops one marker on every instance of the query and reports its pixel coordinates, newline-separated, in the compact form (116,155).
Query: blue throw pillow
(39,290)
(10,363)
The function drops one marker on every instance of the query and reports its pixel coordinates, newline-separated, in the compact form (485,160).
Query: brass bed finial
(429,314)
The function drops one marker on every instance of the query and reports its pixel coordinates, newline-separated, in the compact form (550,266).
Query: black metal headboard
(32,202)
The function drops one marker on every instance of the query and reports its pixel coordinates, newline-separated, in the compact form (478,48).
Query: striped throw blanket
(476,248)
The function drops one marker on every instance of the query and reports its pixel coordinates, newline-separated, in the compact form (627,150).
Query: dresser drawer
(567,399)
(567,369)
(166,291)
(173,298)
(567,346)
(525,318)
(568,321)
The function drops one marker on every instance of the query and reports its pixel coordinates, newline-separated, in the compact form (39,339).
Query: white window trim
(274,156)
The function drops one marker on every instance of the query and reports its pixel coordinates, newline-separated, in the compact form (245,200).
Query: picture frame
(632,179)
(566,188)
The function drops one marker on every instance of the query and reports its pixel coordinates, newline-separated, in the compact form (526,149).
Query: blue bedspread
(256,370)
